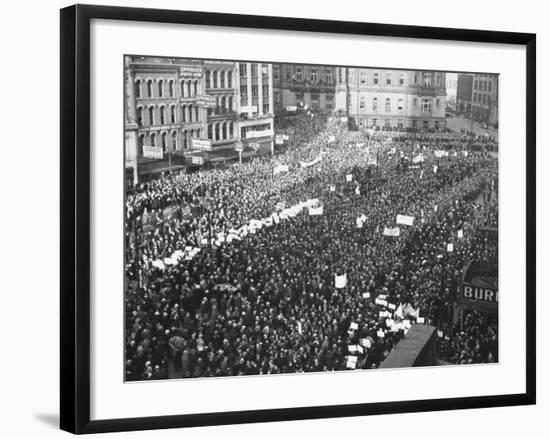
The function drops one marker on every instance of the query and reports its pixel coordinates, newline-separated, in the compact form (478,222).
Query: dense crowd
(266,302)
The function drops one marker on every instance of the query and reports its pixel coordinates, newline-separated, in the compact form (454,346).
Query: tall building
(183,111)
(304,84)
(255,107)
(464,93)
(395,99)
(485,99)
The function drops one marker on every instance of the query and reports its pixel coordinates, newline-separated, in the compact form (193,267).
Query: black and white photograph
(297,218)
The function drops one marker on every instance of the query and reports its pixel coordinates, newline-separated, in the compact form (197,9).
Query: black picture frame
(75,217)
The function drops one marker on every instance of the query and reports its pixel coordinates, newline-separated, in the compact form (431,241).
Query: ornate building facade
(313,86)
(394,99)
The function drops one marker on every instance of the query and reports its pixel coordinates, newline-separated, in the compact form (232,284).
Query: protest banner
(349,177)
(316,210)
(405,220)
(460,234)
(391,232)
(279,169)
(450,247)
(340,281)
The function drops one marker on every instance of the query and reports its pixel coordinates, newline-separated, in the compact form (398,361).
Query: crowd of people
(266,302)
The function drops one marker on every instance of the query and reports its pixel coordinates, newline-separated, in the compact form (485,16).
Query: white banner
(279,169)
(316,210)
(349,177)
(418,159)
(405,220)
(152,152)
(256,134)
(291,108)
(340,281)
(201,144)
(311,163)
(439,153)
(391,232)
(249,109)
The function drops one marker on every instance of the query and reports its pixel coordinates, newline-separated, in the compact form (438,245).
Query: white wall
(30,206)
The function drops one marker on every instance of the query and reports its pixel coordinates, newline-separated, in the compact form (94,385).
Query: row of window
(220,131)
(482,85)
(161,115)
(254,90)
(426,104)
(161,88)
(164,139)
(219,79)
(243,70)
(224,104)
(482,98)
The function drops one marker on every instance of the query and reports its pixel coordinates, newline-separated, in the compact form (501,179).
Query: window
(265,70)
(298,74)
(162,115)
(265,91)
(138,88)
(222,104)
(230,104)
(288,74)
(265,108)
(161,88)
(190,108)
(214,79)
(388,105)
(275,71)
(415,102)
(416,77)
(150,88)
(174,140)
(375,78)
(242,69)
(375,104)
(140,116)
(254,69)
(475,84)
(153,138)
(328,75)
(363,77)
(437,102)
(210,131)
(254,90)
(388,78)
(217,131)
(208,79)
(231,130)
(299,96)
(196,114)
(401,79)
(426,105)
(362,104)
(230,79)
(224,133)
(244,90)
(484,85)
(427,79)
(329,97)
(438,76)
(172,114)
(313,75)
(163,141)
(400,104)
(276,98)
(489,86)
(195,88)
(171,88)
(222,79)
(151,116)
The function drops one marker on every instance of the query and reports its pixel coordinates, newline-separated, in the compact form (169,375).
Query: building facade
(255,107)
(464,90)
(395,99)
(304,85)
(179,110)
(485,99)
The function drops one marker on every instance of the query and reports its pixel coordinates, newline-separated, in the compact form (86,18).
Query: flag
(340,281)
(391,232)
(405,220)
(399,311)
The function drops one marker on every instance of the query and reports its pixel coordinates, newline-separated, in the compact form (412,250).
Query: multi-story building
(464,93)
(182,110)
(255,107)
(395,99)
(313,86)
(485,99)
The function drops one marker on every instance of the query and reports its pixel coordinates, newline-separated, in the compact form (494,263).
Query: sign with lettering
(255,134)
(201,144)
(152,152)
(197,160)
(206,101)
(479,294)
(191,72)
